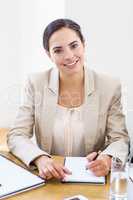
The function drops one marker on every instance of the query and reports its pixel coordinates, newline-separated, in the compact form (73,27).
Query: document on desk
(131,172)
(15,179)
(77,165)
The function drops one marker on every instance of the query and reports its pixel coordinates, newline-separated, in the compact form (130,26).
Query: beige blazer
(103,117)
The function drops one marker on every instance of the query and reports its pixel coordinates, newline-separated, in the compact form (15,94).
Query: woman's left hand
(100,166)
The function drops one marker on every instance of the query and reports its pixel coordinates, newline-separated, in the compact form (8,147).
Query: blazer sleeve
(117,140)
(19,137)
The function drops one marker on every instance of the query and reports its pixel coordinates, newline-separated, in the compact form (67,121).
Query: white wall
(21,52)
(108,29)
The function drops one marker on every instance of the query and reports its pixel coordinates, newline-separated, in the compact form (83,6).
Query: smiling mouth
(71,64)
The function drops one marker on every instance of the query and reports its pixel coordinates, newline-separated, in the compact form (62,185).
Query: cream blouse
(68,132)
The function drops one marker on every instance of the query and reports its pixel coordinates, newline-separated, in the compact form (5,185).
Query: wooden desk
(3,136)
(55,190)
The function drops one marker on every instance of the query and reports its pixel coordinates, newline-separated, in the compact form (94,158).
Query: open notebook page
(77,165)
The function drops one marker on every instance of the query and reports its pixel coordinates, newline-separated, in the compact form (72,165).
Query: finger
(91,156)
(97,168)
(94,164)
(99,173)
(54,172)
(42,174)
(49,177)
(60,170)
(47,173)
(100,170)
(66,170)
(101,164)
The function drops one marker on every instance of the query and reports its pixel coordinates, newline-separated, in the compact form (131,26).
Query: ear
(84,44)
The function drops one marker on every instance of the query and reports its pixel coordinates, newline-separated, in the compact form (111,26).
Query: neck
(75,80)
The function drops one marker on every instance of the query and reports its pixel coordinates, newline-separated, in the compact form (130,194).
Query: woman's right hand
(48,168)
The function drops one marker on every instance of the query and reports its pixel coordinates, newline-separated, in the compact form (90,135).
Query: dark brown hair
(57,25)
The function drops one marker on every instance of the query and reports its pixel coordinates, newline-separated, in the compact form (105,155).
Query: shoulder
(108,89)
(106,83)
(106,86)
(39,77)
(37,81)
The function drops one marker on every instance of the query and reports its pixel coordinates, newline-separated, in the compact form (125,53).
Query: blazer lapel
(90,111)
(51,99)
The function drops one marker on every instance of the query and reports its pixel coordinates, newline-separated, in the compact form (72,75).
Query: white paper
(131,172)
(14,179)
(77,165)
(79,197)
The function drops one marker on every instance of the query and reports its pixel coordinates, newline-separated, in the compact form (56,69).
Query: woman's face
(67,51)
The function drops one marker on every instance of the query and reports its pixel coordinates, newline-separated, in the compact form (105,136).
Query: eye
(73,46)
(57,51)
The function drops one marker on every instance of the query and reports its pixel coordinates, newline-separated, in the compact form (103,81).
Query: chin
(73,70)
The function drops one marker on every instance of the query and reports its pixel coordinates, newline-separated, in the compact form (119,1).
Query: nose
(68,54)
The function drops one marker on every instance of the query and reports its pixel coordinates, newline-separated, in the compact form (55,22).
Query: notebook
(131,172)
(15,179)
(77,165)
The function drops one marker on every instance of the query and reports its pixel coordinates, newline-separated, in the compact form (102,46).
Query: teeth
(71,63)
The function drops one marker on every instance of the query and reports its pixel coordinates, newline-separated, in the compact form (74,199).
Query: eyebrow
(59,47)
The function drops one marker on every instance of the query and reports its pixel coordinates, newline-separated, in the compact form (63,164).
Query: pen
(131,179)
(98,153)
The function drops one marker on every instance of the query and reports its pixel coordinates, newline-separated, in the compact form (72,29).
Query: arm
(20,144)
(117,137)
(117,140)
(19,137)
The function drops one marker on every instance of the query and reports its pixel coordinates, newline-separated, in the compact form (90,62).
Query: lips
(71,64)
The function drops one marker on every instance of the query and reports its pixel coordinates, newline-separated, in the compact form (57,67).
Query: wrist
(107,159)
(39,158)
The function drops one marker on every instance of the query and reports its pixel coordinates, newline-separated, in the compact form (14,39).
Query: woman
(75,111)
